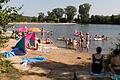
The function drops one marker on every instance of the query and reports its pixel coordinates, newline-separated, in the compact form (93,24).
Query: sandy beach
(61,62)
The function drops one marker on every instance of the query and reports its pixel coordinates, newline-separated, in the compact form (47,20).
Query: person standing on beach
(74,43)
(42,34)
(97,64)
(87,41)
(66,42)
(81,41)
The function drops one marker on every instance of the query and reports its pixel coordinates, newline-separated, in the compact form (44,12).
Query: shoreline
(40,23)
(65,64)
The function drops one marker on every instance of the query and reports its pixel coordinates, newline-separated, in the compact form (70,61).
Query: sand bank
(42,23)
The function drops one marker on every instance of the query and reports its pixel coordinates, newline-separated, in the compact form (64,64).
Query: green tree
(51,16)
(107,19)
(58,12)
(93,19)
(84,12)
(115,19)
(33,19)
(112,19)
(7,14)
(41,17)
(70,12)
(100,19)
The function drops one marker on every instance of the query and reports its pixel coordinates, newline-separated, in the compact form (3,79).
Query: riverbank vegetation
(3,40)
(7,71)
(69,14)
(7,14)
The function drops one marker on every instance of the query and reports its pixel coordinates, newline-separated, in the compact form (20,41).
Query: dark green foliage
(3,39)
(11,14)
(58,12)
(110,55)
(7,70)
(84,12)
(7,14)
(70,12)
(100,19)
(4,1)
(51,16)
(41,17)
(63,20)
(34,19)
(5,65)
(84,8)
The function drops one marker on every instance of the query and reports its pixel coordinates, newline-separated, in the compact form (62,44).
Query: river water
(67,30)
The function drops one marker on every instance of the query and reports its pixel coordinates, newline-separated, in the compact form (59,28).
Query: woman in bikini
(97,64)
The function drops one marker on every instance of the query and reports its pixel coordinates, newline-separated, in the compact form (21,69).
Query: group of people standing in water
(82,42)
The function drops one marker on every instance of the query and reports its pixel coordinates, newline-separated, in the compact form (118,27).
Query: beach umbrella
(37,30)
(23,29)
(34,30)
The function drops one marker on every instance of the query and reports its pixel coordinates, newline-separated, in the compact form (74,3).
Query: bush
(3,39)
(5,65)
(110,55)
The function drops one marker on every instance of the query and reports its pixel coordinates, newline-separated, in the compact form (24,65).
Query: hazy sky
(100,7)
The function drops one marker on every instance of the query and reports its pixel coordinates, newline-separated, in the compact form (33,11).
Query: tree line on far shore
(57,15)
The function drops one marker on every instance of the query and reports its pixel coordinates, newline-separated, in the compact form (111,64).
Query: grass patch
(3,40)
(7,71)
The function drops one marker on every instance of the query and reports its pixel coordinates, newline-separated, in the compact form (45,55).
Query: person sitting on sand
(115,62)
(42,34)
(70,43)
(97,64)
(48,40)
(35,47)
(40,46)
(66,42)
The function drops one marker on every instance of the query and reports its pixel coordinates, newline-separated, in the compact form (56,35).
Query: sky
(99,7)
